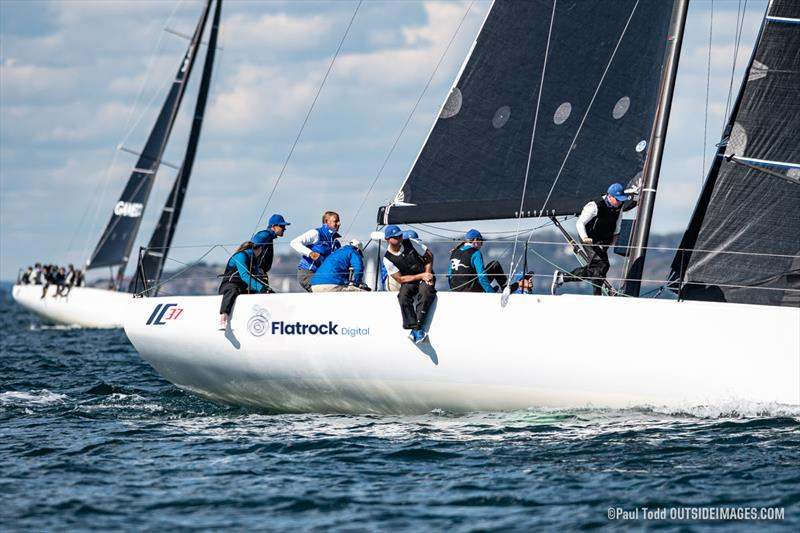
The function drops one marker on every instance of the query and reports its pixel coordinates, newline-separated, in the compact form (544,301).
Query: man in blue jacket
(275,228)
(343,270)
(468,272)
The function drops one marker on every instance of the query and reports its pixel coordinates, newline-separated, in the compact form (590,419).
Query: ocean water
(92,438)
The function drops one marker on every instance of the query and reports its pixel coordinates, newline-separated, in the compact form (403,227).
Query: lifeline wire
(308,115)
(408,120)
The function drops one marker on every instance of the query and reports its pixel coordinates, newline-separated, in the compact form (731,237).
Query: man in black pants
(410,263)
(598,226)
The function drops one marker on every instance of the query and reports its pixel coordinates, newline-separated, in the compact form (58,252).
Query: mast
(115,244)
(152,262)
(637,252)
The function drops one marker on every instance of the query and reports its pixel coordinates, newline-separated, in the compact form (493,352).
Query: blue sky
(78,78)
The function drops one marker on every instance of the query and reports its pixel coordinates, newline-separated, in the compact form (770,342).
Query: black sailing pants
(595,271)
(415,318)
(229,291)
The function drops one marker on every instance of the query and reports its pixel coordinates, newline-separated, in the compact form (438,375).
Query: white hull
(85,306)
(546,351)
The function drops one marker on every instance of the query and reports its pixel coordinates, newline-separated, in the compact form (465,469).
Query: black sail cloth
(743,242)
(596,110)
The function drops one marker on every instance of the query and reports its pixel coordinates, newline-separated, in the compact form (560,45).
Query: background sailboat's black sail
(596,108)
(743,242)
(152,262)
(117,240)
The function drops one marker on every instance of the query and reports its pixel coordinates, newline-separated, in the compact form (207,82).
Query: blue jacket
(336,268)
(477,263)
(240,261)
(326,244)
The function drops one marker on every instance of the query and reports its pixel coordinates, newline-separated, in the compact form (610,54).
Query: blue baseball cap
(410,234)
(278,220)
(261,238)
(618,191)
(473,234)
(391,231)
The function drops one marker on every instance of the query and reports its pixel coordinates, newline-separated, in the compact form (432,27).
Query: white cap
(355,243)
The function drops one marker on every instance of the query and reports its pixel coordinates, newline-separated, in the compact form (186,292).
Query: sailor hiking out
(468,272)
(410,263)
(342,271)
(315,245)
(241,276)
(598,226)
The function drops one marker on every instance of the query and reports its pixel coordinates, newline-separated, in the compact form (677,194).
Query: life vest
(231,274)
(408,261)
(325,245)
(267,254)
(601,228)
(463,277)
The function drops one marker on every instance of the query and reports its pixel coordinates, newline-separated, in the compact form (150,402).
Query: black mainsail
(117,240)
(598,64)
(743,242)
(152,262)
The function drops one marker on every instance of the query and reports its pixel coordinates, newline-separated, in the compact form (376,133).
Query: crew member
(315,245)
(241,276)
(468,273)
(276,226)
(387,283)
(598,227)
(343,270)
(410,263)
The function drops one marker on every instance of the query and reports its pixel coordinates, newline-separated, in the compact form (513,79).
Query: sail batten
(114,246)
(603,65)
(742,244)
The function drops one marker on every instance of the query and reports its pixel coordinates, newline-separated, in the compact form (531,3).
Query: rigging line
(589,107)
(408,120)
(127,130)
(308,115)
(177,274)
(740,15)
(533,132)
(772,173)
(708,89)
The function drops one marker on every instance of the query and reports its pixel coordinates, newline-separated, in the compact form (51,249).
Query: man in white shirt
(598,227)
(315,245)
(410,263)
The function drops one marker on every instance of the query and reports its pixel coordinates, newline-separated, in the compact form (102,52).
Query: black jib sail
(117,240)
(743,242)
(152,262)
(598,64)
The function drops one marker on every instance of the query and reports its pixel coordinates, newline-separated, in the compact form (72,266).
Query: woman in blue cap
(598,227)
(242,275)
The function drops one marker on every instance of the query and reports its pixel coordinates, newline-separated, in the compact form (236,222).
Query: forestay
(743,242)
(117,240)
(598,63)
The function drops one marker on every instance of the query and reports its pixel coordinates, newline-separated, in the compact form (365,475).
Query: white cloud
(271,31)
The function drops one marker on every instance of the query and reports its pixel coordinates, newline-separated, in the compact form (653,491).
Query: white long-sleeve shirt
(302,243)
(586,216)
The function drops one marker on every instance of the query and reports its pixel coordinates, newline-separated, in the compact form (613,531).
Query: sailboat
(553,99)
(102,308)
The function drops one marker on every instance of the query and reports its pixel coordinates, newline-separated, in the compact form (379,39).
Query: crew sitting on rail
(410,263)
(241,276)
(315,245)
(598,226)
(522,283)
(467,271)
(342,271)
(275,228)
(387,283)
